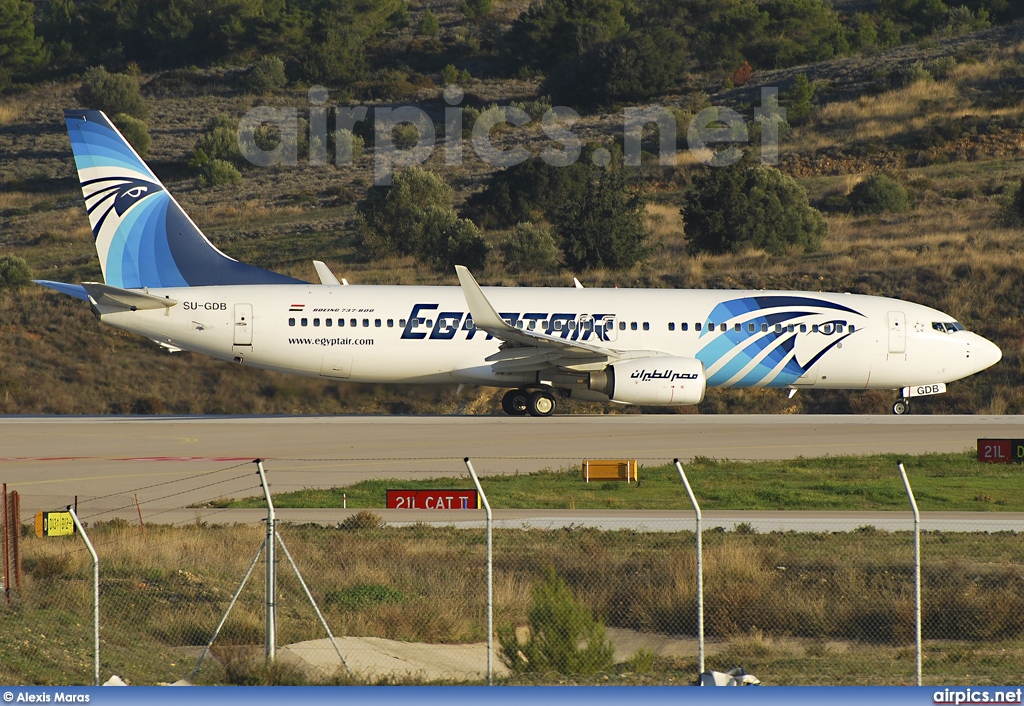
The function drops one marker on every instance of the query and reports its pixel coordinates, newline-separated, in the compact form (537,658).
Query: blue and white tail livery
(143,237)
(164,280)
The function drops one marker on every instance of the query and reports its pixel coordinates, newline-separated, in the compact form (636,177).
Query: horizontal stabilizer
(106,296)
(72,290)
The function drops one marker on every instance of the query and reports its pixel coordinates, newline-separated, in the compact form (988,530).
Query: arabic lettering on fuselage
(668,375)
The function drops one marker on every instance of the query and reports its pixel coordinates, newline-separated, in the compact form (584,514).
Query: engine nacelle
(665,380)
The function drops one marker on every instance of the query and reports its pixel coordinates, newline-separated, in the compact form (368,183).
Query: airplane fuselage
(426,335)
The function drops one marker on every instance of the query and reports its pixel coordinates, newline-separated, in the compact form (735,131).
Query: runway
(169,463)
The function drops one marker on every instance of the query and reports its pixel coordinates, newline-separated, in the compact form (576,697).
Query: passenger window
(671,326)
(737,327)
(725,327)
(852,328)
(711,327)
(647,326)
(558,325)
(376,323)
(391,323)
(683,327)
(751,328)
(366,323)
(632,326)
(792,328)
(305,322)
(291,322)
(316,322)
(328,322)
(839,328)
(803,328)
(341,323)
(622,325)
(519,325)
(764,328)
(814,328)
(353,323)
(572,325)
(779,328)
(533,324)
(401,322)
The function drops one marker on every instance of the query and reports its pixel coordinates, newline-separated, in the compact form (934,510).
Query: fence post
(917,567)
(95,597)
(490,576)
(7,566)
(700,570)
(271,580)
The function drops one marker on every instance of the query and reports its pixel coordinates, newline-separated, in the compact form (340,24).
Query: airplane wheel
(514,402)
(901,406)
(541,404)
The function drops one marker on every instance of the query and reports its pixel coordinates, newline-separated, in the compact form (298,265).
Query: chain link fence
(610,598)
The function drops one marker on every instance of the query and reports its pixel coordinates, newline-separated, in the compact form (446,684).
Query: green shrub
(393,216)
(449,75)
(405,136)
(364,519)
(797,100)
(266,76)
(220,140)
(215,172)
(1011,209)
(429,26)
(903,76)
(877,194)
(362,596)
(564,636)
(527,192)
(446,240)
(476,9)
(604,227)
(941,67)
(14,272)
(529,248)
(348,147)
(135,131)
(112,93)
(749,205)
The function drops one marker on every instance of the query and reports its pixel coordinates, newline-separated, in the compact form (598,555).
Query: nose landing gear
(901,406)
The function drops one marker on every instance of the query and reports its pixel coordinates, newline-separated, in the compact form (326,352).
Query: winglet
(484,315)
(324,273)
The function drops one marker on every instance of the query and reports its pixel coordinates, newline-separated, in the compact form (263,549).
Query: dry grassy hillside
(956,142)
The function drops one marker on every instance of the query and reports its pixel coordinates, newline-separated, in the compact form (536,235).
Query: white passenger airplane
(164,280)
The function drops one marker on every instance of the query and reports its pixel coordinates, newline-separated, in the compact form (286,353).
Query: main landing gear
(536,403)
(901,406)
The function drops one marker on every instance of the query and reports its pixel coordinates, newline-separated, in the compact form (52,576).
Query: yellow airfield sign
(54,524)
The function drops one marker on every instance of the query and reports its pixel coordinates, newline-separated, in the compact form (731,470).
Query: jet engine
(664,380)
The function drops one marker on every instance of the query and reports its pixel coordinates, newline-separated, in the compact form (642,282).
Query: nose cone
(984,353)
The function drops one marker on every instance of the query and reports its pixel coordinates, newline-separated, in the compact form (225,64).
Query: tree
(564,636)
(604,227)
(551,32)
(748,205)
(394,216)
(446,240)
(877,194)
(529,248)
(528,191)
(112,93)
(21,51)
(632,67)
(797,100)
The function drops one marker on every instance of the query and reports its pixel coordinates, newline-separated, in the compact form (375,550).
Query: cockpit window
(947,326)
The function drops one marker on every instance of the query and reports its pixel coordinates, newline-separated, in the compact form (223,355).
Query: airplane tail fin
(143,237)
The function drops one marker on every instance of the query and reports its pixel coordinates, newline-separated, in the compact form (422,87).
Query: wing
(523,351)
